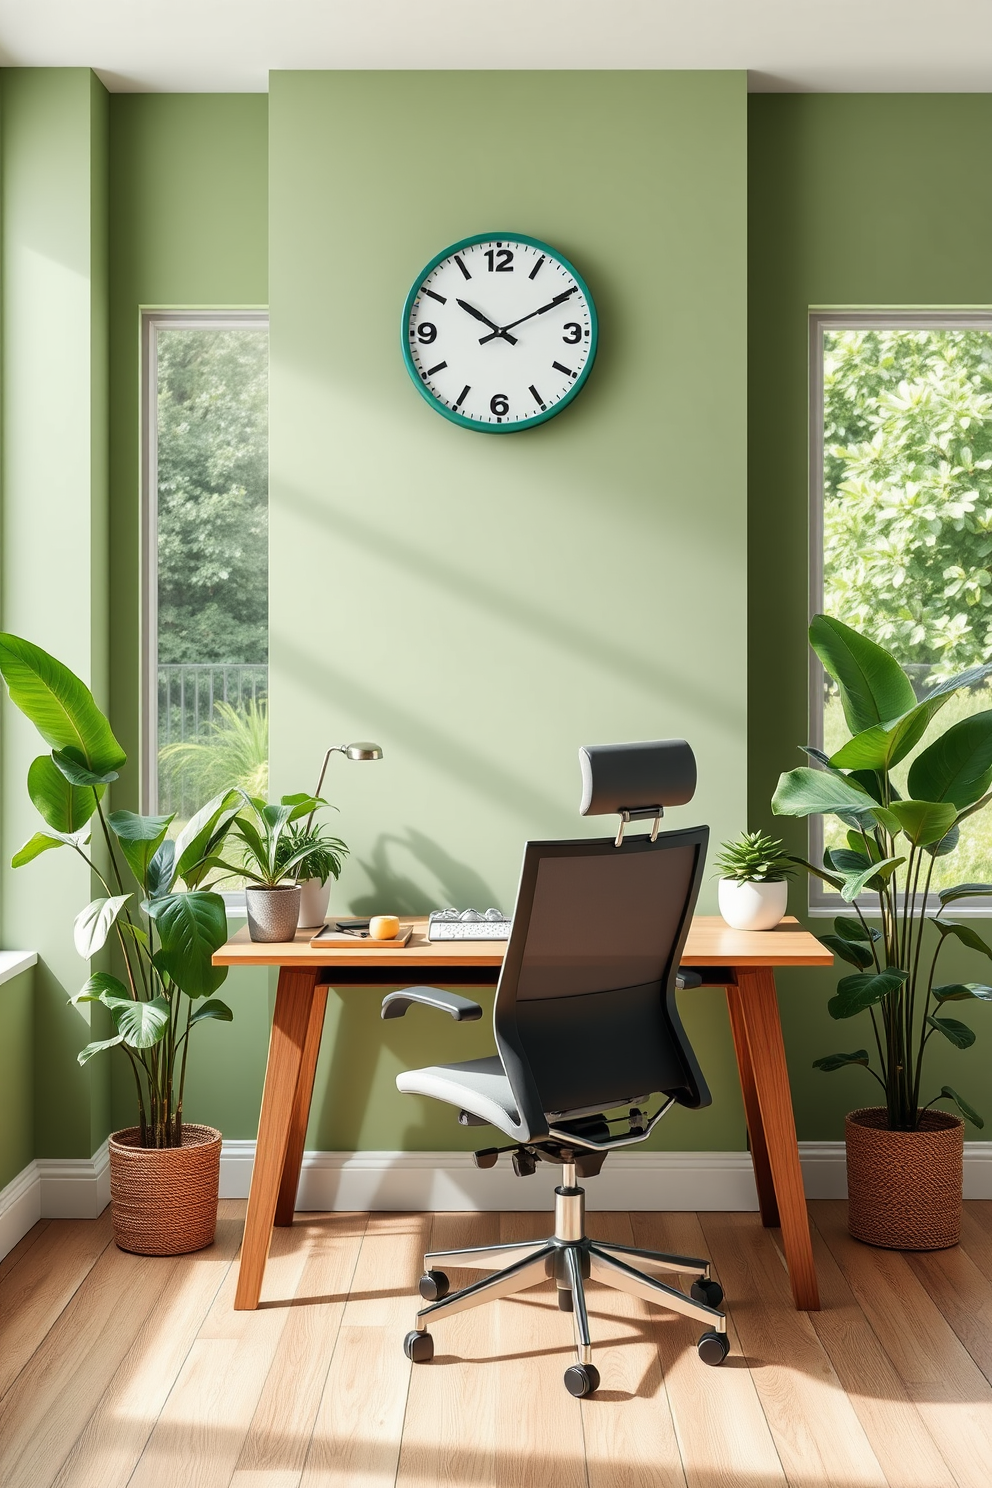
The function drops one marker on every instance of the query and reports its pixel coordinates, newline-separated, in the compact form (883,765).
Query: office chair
(585,1022)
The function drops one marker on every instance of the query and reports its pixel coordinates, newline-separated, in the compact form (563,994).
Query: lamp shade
(363,750)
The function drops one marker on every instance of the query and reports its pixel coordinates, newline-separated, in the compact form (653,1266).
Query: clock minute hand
(496,330)
(558,300)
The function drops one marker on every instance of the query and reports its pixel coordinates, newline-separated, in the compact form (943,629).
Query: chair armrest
(685,978)
(462,1009)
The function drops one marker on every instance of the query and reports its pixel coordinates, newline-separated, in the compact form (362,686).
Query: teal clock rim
(459,418)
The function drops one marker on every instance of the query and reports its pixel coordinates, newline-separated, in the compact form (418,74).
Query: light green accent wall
(16,1075)
(484,606)
(188,214)
(854,200)
(54,523)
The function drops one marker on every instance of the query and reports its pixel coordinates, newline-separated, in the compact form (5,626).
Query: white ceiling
(786,45)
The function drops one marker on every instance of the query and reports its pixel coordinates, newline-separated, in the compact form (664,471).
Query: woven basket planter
(164,1199)
(904,1188)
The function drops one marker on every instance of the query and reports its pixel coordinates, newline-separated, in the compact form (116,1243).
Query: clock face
(499,332)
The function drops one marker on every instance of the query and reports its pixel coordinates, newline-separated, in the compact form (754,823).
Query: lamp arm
(334,749)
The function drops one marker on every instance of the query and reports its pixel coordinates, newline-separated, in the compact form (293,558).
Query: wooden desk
(741,961)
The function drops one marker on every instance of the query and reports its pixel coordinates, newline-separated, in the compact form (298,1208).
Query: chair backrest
(585,1014)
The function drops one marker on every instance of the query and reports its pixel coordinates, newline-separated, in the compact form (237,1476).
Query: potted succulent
(324,858)
(754,889)
(904,1159)
(164,1173)
(269,859)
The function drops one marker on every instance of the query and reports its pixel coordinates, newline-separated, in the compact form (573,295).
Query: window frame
(152,320)
(822,902)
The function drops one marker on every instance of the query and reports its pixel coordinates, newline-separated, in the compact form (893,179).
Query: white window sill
(12,963)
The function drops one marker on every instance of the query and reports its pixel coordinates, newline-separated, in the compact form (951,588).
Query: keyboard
(468,924)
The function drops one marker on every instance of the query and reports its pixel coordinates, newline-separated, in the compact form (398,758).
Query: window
(901,520)
(205,557)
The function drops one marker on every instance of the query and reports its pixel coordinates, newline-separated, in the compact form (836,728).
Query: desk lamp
(363,749)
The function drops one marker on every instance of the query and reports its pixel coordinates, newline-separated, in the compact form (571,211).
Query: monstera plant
(153,907)
(895,943)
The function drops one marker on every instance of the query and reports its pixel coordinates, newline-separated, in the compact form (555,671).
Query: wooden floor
(119,1370)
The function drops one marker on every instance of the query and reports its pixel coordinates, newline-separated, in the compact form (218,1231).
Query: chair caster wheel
(434,1285)
(418,1347)
(706,1290)
(581,1379)
(713,1348)
(565,1300)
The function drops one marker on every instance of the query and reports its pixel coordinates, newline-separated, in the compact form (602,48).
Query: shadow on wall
(461,885)
(646,667)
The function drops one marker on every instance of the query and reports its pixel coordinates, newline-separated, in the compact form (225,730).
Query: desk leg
(752,1111)
(290,1023)
(757,1011)
(286,1204)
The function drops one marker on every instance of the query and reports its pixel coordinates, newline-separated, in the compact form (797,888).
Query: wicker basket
(904,1188)
(164,1200)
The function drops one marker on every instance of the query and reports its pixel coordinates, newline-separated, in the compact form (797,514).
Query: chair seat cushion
(478,1086)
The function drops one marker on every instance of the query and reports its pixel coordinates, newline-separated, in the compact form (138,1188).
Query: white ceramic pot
(314,901)
(752,906)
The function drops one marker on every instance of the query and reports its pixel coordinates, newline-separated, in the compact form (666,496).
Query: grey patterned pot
(273,914)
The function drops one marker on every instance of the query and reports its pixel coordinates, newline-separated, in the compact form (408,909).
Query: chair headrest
(637,778)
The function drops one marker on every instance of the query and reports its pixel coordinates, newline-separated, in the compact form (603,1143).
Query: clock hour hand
(502,330)
(496,330)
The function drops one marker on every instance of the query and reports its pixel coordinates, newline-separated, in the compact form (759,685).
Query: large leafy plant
(893,843)
(165,935)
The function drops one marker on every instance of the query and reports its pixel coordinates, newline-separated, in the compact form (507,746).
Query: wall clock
(499,332)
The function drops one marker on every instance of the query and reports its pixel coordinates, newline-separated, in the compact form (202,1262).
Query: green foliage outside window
(907,521)
(212,495)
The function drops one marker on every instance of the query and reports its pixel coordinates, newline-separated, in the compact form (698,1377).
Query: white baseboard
(53,1188)
(79,1188)
(630,1180)
(450,1180)
(20,1207)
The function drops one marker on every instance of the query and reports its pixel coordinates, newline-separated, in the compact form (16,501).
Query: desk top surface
(711,942)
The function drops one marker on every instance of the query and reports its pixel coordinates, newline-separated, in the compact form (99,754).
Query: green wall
(188,213)
(483,606)
(53,528)
(608,585)
(17,1146)
(853,200)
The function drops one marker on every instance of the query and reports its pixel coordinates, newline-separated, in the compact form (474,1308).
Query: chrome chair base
(570,1258)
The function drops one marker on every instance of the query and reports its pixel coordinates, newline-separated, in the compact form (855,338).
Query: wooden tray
(336,940)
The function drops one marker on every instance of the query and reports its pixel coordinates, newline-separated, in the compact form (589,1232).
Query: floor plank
(278,1438)
(817,1433)
(630,1436)
(205,1420)
(359,1427)
(892,1422)
(108,1448)
(132,1372)
(36,1291)
(457,1386)
(719,1421)
(10,1260)
(49,1404)
(952,1395)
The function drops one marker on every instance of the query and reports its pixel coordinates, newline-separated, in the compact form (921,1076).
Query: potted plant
(754,889)
(323,861)
(164,1173)
(268,860)
(904,1159)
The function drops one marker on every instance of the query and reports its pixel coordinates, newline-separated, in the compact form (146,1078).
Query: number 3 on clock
(499,332)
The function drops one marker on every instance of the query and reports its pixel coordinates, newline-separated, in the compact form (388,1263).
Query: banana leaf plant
(893,844)
(165,934)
